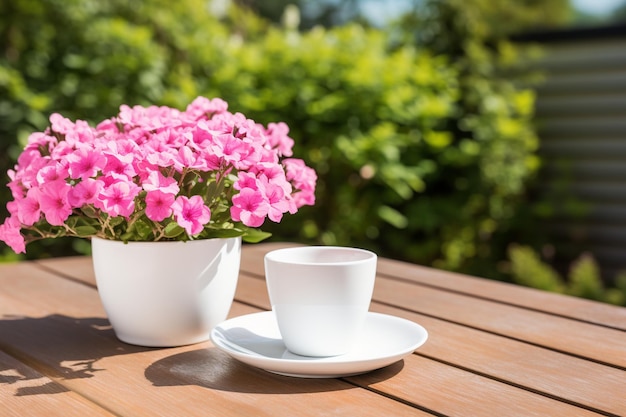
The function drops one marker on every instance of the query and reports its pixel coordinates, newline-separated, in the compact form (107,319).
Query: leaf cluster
(422,148)
(582,280)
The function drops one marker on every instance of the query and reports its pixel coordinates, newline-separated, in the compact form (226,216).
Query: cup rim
(278,255)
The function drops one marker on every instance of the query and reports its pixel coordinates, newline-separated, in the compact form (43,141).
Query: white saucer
(255,339)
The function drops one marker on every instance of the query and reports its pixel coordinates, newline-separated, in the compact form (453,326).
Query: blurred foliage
(583,280)
(371,122)
(326,13)
(478,206)
(619,14)
(367,118)
(422,135)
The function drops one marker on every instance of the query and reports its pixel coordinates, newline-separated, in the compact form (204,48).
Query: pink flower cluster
(156,166)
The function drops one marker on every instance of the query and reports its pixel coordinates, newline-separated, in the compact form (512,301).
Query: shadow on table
(211,368)
(66,347)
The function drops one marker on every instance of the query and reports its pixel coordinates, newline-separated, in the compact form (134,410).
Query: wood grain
(61,331)
(540,328)
(493,349)
(454,392)
(501,358)
(26,392)
(556,304)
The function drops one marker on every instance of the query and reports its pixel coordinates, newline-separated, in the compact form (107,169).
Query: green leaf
(211,189)
(87,221)
(173,230)
(255,236)
(198,187)
(143,229)
(127,236)
(90,212)
(116,221)
(226,233)
(71,222)
(220,188)
(84,231)
(393,217)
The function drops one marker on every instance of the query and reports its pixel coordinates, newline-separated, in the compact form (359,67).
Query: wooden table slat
(551,303)
(557,333)
(493,349)
(80,348)
(557,304)
(554,332)
(535,368)
(26,392)
(540,365)
(453,391)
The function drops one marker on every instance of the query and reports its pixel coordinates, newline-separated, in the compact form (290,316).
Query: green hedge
(583,277)
(416,160)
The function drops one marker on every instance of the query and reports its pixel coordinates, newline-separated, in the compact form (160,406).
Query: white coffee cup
(320,296)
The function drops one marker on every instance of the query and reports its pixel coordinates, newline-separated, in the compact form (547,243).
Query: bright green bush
(371,122)
(583,279)
(529,270)
(421,155)
(369,119)
(473,201)
(78,57)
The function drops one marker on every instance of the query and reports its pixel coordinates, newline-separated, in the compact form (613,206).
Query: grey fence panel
(581,121)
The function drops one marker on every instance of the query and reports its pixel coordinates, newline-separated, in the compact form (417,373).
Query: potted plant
(166,196)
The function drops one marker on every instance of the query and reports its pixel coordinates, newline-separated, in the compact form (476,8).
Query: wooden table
(494,349)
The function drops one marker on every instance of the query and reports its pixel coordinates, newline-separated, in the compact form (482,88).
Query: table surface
(494,349)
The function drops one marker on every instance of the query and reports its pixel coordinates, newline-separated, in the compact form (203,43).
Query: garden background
(420,128)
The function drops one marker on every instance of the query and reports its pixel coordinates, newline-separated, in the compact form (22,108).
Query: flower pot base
(162,341)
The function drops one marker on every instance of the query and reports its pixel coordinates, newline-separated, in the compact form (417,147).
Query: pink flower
(187,158)
(160,147)
(54,171)
(53,201)
(191,213)
(61,150)
(303,179)
(135,164)
(40,139)
(10,234)
(12,207)
(159,205)
(271,171)
(61,124)
(16,187)
(118,199)
(150,118)
(275,174)
(278,139)
(246,180)
(120,166)
(162,157)
(81,133)
(157,181)
(233,151)
(85,163)
(28,208)
(28,165)
(124,145)
(201,136)
(203,107)
(249,207)
(85,192)
(278,204)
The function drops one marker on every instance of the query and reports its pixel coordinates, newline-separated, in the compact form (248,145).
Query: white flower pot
(166,293)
